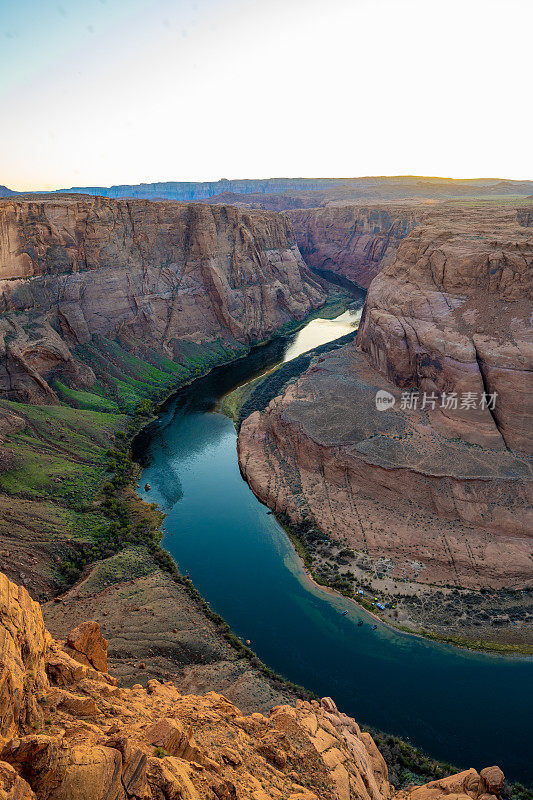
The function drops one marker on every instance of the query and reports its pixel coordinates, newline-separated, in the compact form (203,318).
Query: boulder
(492,778)
(87,645)
(99,742)
(12,786)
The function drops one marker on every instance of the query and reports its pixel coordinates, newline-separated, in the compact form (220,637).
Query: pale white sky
(100,92)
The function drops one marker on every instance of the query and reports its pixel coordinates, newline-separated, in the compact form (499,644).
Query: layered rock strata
(387,485)
(86,738)
(434,495)
(352,241)
(453,314)
(316,191)
(72,268)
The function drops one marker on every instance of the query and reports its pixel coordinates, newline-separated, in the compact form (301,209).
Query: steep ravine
(353,241)
(230,278)
(107,308)
(424,505)
(164,277)
(385,678)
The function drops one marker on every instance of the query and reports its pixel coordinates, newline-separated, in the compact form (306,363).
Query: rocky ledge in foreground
(419,495)
(68,732)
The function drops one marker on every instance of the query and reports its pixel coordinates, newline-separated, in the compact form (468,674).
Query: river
(470,709)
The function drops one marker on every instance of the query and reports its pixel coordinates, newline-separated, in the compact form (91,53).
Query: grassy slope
(58,469)
(69,481)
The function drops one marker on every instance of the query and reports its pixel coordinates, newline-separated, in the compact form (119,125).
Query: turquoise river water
(466,708)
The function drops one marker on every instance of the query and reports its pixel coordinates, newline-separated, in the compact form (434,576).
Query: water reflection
(320,331)
(446,700)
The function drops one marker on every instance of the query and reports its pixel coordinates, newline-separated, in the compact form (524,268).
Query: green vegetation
(72,473)
(408,765)
(240,398)
(128,564)
(125,379)
(233,403)
(69,465)
(85,400)
(479,644)
(57,470)
(337,303)
(306,536)
(517,791)
(60,453)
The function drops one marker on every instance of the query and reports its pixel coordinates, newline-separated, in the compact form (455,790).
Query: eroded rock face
(12,786)
(102,742)
(74,268)
(24,644)
(442,495)
(386,483)
(352,241)
(453,314)
(86,644)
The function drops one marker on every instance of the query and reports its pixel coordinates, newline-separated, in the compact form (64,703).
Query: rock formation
(429,494)
(72,268)
(453,314)
(353,242)
(70,733)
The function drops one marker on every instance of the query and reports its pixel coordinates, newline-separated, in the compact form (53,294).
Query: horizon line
(271,178)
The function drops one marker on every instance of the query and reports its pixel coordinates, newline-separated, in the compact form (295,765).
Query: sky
(102,92)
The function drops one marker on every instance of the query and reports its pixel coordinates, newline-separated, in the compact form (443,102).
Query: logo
(384,400)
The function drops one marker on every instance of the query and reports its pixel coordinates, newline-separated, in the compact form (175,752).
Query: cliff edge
(160,276)
(69,732)
(434,489)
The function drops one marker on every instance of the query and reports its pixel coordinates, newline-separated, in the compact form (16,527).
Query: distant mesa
(302,192)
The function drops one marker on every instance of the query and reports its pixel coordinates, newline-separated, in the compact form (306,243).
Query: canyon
(69,731)
(158,274)
(110,305)
(89,284)
(351,241)
(107,305)
(283,193)
(424,496)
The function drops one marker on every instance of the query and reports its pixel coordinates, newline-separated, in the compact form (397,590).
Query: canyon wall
(351,241)
(425,493)
(453,314)
(69,732)
(72,268)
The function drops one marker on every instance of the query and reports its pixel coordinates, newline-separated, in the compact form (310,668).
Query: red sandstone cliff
(352,241)
(452,313)
(434,495)
(75,267)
